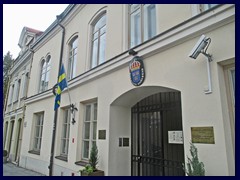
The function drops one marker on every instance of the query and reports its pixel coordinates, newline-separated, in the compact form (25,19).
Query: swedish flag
(62,83)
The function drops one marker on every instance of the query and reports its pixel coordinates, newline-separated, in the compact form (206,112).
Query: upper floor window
(24,92)
(16,96)
(45,71)
(204,7)
(98,41)
(142,23)
(72,61)
(11,94)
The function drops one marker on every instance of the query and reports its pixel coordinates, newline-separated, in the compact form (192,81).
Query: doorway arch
(121,159)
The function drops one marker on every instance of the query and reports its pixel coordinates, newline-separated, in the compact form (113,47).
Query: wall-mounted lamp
(73,109)
(201,47)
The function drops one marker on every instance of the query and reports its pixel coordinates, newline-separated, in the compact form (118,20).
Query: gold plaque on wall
(203,135)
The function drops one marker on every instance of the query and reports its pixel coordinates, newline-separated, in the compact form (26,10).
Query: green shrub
(194,167)
(94,157)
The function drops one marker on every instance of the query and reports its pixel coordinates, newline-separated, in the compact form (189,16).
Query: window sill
(34,152)
(63,158)
(81,163)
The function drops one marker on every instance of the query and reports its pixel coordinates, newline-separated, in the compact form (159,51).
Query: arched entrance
(152,152)
(145,116)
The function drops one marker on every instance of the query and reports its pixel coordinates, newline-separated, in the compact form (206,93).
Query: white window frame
(11,93)
(24,89)
(92,120)
(37,133)
(98,38)
(72,59)
(143,29)
(45,74)
(64,145)
(17,95)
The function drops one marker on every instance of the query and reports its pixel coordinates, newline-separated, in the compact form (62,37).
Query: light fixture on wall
(201,47)
(73,109)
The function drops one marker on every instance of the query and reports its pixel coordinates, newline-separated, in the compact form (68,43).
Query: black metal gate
(152,118)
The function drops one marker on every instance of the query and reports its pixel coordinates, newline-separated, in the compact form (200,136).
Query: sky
(16,16)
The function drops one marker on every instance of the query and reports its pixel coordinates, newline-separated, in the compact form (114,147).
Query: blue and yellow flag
(62,83)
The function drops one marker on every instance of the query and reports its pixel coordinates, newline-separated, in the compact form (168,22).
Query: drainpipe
(59,18)
(24,105)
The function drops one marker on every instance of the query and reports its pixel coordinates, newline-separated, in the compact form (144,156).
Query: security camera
(199,47)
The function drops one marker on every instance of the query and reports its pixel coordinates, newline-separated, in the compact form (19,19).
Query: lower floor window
(38,127)
(65,133)
(89,129)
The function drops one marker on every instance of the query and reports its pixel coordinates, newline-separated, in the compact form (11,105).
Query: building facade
(137,95)
(17,93)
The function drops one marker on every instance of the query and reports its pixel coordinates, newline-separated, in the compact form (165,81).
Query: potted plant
(194,166)
(91,169)
(5,154)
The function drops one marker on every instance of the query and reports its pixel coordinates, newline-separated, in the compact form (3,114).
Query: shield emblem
(136,69)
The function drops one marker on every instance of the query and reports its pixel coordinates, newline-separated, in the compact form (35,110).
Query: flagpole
(56,111)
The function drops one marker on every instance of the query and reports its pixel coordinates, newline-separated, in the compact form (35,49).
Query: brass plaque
(102,134)
(203,135)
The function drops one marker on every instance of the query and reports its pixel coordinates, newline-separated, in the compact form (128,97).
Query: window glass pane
(102,49)
(35,143)
(94,53)
(63,145)
(95,111)
(39,143)
(74,44)
(101,22)
(99,42)
(44,67)
(85,149)
(135,29)
(149,21)
(37,131)
(87,131)
(134,7)
(103,30)
(208,6)
(88,113)
(94,130)
(74,65)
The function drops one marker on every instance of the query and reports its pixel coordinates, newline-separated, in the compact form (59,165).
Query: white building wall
(167,65)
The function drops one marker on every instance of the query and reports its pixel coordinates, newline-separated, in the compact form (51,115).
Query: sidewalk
(10,169)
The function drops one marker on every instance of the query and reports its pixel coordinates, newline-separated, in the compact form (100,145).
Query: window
(72,58)
(17,90)
(65,133)
(229,75)
(90,129)
(38,127)
(24,92)
(11,94)
(142,23)
(98,41)
(45,71)
(204,7)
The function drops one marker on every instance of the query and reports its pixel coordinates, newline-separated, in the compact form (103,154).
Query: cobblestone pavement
(10,169)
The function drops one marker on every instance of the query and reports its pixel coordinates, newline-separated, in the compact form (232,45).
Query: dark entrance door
(152,118)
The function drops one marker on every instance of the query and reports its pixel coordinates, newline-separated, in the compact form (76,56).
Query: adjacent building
(137,94)
(17,93)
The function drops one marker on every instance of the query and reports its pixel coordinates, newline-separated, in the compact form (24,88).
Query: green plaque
(203,135)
